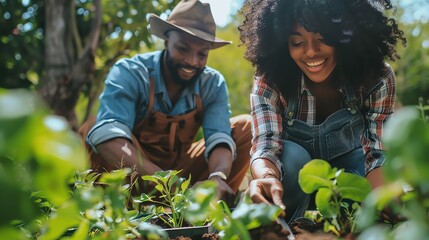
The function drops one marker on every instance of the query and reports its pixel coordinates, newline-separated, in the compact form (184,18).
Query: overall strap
(351,99)
(293,105)
(292,109)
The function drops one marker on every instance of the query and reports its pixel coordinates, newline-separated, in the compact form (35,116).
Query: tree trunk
(65,77)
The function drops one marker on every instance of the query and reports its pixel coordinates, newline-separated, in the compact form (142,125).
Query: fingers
(269,191)
(255,193)
(225,193)
(277,197)
(277,200)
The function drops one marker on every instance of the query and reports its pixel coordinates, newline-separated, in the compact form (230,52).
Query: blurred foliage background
(39,153)
(123,32)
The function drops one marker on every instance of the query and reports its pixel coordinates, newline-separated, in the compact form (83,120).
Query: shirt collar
(305,89)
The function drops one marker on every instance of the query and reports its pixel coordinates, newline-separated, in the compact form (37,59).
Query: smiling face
(311,54)
(185,57)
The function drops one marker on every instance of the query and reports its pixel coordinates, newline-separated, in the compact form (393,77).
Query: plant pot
(193,232)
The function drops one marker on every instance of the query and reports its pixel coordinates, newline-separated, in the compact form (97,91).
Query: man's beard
(175,68)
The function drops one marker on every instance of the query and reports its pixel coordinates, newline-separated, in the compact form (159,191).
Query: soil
(301,231)
(267,232)
(272,231)
(305,231)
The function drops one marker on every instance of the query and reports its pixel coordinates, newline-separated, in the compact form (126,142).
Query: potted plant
(166,207)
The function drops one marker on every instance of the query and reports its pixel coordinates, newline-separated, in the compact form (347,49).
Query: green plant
(171,194)
(406,174)
(39,154)
(49,195)
(334,187)
(232,224)
(98,210)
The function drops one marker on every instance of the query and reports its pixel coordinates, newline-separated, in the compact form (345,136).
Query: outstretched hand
(225,193)
(267,190)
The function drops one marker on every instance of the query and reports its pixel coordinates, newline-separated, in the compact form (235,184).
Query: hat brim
(159,27)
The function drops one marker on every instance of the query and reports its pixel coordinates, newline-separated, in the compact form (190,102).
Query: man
(154,104)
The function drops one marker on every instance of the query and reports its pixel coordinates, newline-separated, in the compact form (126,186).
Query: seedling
(335,190)
(232,224)
(172,194)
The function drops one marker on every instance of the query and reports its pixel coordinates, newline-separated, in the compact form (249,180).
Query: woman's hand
(267,190)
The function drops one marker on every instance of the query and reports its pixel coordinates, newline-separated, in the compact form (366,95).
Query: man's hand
(225,193)
(268,190)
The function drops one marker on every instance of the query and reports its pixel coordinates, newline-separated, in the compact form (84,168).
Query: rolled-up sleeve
(218,138)
(124,84)
(267,123)
(106,130)
(380,103)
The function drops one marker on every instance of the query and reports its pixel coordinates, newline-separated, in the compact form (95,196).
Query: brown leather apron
(164,139)
(167,141)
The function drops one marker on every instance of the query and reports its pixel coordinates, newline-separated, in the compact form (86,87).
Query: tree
(412,70)
(63,48)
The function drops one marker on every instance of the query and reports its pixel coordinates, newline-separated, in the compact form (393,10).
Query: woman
(321,90)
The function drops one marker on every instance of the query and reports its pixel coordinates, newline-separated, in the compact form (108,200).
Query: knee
(241,123)
(241,126)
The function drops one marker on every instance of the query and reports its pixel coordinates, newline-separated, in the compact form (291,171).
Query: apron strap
(198,115)
(172,136)
(151,96)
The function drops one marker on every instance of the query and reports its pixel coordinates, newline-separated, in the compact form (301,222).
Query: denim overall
(336,140)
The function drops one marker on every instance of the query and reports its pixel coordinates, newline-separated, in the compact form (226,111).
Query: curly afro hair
(363,37)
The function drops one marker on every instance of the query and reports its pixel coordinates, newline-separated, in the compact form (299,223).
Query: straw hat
(192,17)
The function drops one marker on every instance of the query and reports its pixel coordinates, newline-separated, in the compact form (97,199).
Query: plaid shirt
(268,111)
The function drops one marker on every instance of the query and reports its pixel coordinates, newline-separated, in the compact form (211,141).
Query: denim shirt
(124,101)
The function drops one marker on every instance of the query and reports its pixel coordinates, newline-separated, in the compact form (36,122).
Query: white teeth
(315,64)
(188,70)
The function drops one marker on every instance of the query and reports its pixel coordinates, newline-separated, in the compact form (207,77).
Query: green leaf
(327,208)
(254,215)
(406,139)
(382,197)
(88,197)
(82,231)
(16,202)
(152,232)
(66,217)
(11,232)
(202,197)
(115,177)
(316,174)
(173,179)
(352,186)
(184,186)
